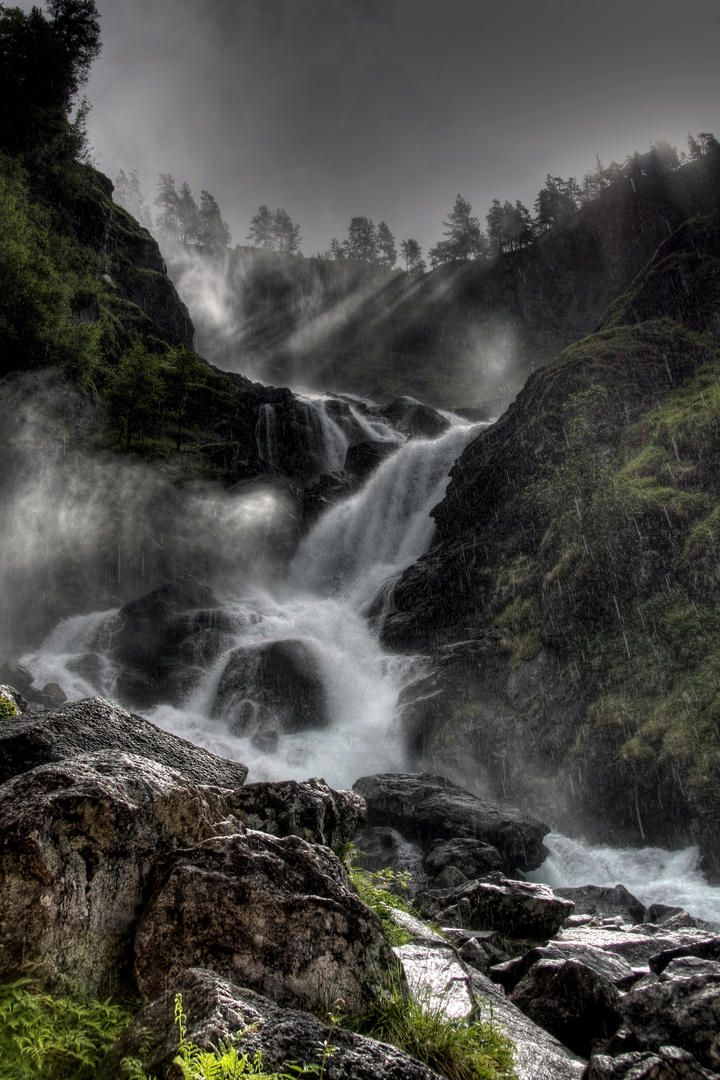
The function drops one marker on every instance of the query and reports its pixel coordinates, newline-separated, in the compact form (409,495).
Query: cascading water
(338,568)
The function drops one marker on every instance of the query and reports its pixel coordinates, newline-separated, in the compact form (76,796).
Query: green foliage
(377,889)
(7,708)
(521,624)
(460,1049)
(44,280)
(226,1063)
(56,1038)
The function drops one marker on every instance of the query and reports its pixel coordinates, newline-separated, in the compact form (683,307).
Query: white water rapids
(337,571)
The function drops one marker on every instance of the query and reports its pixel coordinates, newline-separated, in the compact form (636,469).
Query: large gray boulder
(217,1010)
(473,858)
(272,686)
(604,901)
(610,967)
(518,909)
(78,844)
(166,639)
(571,1001)
(636,944)
(425,808)
(274,914)
(311,810)
(97,724)
(681,1009)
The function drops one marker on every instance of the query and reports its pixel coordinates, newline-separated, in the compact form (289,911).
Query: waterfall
(318,609)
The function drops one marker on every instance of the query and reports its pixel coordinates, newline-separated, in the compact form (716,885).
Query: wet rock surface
(218,1009)
(426,808)
(594,900)
(272,686)
(516,908)
(669,1063)
(571,1001)
(98,724)
(681,1009)
(310,810)
(78,844)
(273,914)
(608,965)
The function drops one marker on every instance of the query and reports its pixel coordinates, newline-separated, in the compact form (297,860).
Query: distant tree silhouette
(386,245)
(361,242)
(128,193)
(465,238)
(261,228)
(285,233)
(188,215)
(166,222)
(213,232)
(509,226)
(556,202)
(412,254)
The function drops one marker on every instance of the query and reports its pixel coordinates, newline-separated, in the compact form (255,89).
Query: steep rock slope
(571,597)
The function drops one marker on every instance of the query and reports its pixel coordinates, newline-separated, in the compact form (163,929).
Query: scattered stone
(383,848)
(274,914)
(518,909)
(597,900)
(98,724)
(78,844)
(571,1001)
(635,944)
(682,1009)
(218,1009)
(448,878)
(425,808)
(610,967)
(311,810)
(669,1063)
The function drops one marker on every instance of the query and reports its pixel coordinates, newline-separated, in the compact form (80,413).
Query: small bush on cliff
(7,707)
(56,1038)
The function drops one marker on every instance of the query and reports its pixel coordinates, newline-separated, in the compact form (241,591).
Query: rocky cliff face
(570,599)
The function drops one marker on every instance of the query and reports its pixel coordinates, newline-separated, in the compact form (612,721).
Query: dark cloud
(332,108)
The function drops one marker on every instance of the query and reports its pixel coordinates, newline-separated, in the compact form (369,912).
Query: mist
(84,529)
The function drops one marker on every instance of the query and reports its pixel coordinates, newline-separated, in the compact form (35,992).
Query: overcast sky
(389,108)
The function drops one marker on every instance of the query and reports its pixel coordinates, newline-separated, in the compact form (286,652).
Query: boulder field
(133,862)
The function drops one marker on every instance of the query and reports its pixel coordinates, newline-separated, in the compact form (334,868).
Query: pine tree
(465,238)
(386,245)
(261,228)
(167,199)
(412,254)
(361,242)
(213,233)
(188,215)
(285,233)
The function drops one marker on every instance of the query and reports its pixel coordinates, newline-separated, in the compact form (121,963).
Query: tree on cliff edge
(44,61)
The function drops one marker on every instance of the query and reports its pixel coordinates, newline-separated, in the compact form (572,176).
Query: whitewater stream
(340,567)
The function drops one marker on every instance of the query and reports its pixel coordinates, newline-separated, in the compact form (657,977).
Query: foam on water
(652,874)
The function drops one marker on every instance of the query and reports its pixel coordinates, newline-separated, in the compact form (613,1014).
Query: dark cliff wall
(571,599)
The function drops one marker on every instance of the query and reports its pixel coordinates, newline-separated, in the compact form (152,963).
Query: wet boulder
(16,675)
(435,974)
(706,948)
(166,640)
(518,909)
(97,724)
(275,685)
(363,458)
(78,845)
(681,1009)
(471,857)
(610,967)
(636,944)
(273,914)
(571,1001)
(426,808)
(596,900)
(414,419)
(218,1009)
(669,1063)
(311,810)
